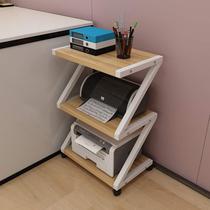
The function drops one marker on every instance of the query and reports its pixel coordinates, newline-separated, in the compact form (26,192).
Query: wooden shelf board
(91,167)
(108,128)
(106,63)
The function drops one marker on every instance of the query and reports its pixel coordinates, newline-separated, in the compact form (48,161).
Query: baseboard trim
(183,180)
(157,165)
(28,168)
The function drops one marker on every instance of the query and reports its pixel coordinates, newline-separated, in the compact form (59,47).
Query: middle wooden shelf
(109,128)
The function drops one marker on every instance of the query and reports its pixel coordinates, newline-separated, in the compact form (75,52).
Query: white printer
(108,154)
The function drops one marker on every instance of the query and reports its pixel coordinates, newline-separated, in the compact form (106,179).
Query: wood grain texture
(106,63)
(91,167)
(59,184)
(108,128)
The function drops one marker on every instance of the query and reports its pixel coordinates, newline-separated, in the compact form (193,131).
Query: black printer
(115,92)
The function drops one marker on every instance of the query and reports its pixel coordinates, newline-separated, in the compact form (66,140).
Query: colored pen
(115,32)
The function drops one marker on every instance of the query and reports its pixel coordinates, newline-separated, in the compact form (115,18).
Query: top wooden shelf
(108,63)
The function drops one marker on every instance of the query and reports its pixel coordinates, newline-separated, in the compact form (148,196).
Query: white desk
(18,23)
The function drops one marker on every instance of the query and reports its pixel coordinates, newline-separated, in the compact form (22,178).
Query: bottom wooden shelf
(91,167)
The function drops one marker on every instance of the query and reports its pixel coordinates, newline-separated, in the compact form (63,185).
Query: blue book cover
(92,34)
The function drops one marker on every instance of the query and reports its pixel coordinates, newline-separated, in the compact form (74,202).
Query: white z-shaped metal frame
(124,124)
(66,143)
(69,87)
(124,128)
(127,174)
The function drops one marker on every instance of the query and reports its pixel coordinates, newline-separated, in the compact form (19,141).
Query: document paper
(98,110)
(88,144)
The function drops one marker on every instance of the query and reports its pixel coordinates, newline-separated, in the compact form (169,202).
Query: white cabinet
(31,80)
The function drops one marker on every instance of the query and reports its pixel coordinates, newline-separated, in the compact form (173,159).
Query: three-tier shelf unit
(119,129)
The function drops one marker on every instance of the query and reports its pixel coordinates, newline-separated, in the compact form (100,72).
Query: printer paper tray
(108,128)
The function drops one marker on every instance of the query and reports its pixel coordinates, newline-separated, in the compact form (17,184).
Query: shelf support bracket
(66,142)
(152,71)
(126,175)
(72,82)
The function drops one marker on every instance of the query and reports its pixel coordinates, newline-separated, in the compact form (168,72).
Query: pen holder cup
(123,47)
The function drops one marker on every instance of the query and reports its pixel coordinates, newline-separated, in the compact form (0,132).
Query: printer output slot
(78,130)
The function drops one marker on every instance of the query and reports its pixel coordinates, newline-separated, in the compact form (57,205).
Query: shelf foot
(63,155)
(117,192)
(151,167)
